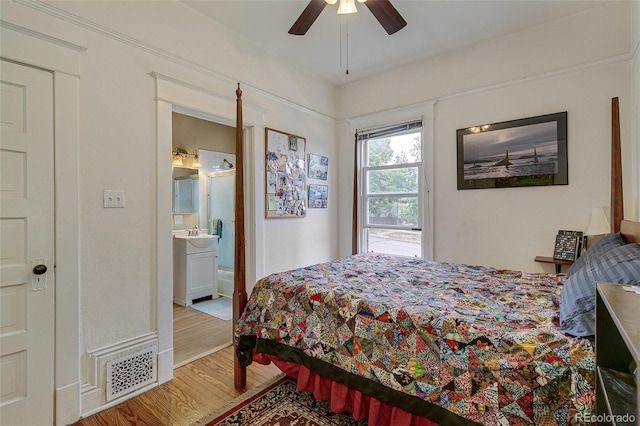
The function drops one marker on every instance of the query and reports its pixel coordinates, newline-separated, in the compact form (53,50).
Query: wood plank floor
(203,378)
(197,389)
(196,334)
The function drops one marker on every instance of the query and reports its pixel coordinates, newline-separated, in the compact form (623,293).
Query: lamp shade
(599,224)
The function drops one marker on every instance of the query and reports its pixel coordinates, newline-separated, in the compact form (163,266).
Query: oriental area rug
(278,403)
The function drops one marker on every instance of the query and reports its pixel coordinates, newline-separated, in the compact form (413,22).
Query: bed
(414,342)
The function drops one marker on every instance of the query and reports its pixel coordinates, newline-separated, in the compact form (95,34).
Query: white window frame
(366,196)
(425,186)
(418,194)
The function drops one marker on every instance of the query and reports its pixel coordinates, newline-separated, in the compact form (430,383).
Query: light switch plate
(114,198)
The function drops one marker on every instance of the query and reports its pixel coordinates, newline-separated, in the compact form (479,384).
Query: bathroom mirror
(185,191)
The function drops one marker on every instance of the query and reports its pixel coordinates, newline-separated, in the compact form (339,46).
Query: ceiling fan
(383,11)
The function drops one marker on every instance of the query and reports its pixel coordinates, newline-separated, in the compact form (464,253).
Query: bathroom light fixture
(177,159)
(180,154)
(196,160)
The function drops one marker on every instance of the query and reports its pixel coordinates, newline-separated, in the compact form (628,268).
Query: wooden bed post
(239,273)
(617,205)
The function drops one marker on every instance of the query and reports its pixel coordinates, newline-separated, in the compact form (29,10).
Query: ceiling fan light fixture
(347,7)
(383,10)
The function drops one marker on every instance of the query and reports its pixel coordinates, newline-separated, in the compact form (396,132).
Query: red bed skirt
(343,398)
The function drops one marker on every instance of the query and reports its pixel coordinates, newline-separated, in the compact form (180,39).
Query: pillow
(578,296)
(604,244)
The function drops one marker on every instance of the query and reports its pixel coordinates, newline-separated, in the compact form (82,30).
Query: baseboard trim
(93,394)
(68,403)
(165,365)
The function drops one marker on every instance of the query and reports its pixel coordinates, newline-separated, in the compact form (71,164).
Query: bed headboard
(630,231)
(617,205)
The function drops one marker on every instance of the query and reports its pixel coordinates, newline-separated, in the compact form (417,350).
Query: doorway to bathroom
(205,151)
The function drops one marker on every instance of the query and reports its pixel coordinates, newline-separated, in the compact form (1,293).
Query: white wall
(125,43)
(576,64)
(508,227)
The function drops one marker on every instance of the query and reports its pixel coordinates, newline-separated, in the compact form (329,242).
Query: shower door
(221,191)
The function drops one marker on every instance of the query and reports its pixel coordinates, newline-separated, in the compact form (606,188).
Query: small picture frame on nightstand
(568,245)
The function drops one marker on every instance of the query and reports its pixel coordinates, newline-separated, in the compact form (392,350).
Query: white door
(26,246)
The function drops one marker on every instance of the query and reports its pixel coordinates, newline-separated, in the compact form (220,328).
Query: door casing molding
(176,95)
(36,49)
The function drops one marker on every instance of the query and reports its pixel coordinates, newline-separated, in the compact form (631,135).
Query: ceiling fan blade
(307,17)
(387,15)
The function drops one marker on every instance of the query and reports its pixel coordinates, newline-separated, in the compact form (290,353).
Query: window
(391,195)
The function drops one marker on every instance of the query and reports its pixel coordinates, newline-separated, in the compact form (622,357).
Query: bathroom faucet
(194,231)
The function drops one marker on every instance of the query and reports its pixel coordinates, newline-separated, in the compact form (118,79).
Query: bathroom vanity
(195,267)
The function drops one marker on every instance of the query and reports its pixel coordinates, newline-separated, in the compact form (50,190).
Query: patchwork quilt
(481,342)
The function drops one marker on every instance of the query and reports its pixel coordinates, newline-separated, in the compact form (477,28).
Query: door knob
(40,269)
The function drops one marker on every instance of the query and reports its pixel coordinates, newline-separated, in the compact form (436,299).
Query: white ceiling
(433,27)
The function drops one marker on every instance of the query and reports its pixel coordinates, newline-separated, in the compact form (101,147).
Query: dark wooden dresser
(617,354)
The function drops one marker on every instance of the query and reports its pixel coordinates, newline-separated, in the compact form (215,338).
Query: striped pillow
(577,300)
(604,244)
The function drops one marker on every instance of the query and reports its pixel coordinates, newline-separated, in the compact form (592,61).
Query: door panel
(26,239)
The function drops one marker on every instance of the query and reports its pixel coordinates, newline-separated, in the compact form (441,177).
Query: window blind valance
(393,130)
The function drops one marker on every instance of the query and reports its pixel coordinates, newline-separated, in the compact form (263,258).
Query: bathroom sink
(195,267)
(199,241)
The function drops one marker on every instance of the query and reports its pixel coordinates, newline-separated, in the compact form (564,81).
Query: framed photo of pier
(525,152)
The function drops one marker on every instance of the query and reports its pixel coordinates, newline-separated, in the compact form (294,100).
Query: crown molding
(51,10)
(625,57)
(42,36)
(208,92)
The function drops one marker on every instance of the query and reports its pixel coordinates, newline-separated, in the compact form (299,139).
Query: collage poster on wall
(318,196)
(286,180)
(318,166)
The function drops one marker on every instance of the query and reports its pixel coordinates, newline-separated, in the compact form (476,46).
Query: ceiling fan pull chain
(347,44)
(340,42)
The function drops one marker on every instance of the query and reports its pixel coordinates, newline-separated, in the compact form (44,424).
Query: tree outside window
(392,210)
